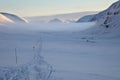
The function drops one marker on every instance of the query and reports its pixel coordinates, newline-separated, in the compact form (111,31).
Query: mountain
(86,18)
(107,22)
(55,21)
(11,18)
(63,17)
(109,16)
(70,21)
(4,19)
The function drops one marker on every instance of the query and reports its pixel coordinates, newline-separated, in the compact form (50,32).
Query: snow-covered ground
(72,55)
(6,18)
(20,54)
(75,57)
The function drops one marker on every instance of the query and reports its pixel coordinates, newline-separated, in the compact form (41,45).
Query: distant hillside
(4,19)
(86,18)
(11,18)
(63,17)
(55,21)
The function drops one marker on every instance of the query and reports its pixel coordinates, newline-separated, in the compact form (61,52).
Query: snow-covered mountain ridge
(4,19)
(55,21)
(11,18)
(86,18)
(107,22)
(109,16)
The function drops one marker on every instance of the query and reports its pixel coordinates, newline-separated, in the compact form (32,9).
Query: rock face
(11,18)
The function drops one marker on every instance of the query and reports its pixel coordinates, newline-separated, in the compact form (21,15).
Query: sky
(50,7)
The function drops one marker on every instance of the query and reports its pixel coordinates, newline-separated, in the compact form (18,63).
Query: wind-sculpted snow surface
(34,71)
(14,73)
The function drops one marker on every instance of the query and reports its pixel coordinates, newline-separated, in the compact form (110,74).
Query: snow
(105,17)
(61,51)
(72,55)
(11,18)
(55,21)
(86,18)
(4,19)
(107,22)
(30,65)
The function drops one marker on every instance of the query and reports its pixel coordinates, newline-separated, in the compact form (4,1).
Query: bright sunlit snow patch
(4,19)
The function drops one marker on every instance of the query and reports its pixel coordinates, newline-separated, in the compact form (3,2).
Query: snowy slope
(113,10)
(86,18)
(109,16)
(55,21)
(107,22)
(13,18)
(4,19)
